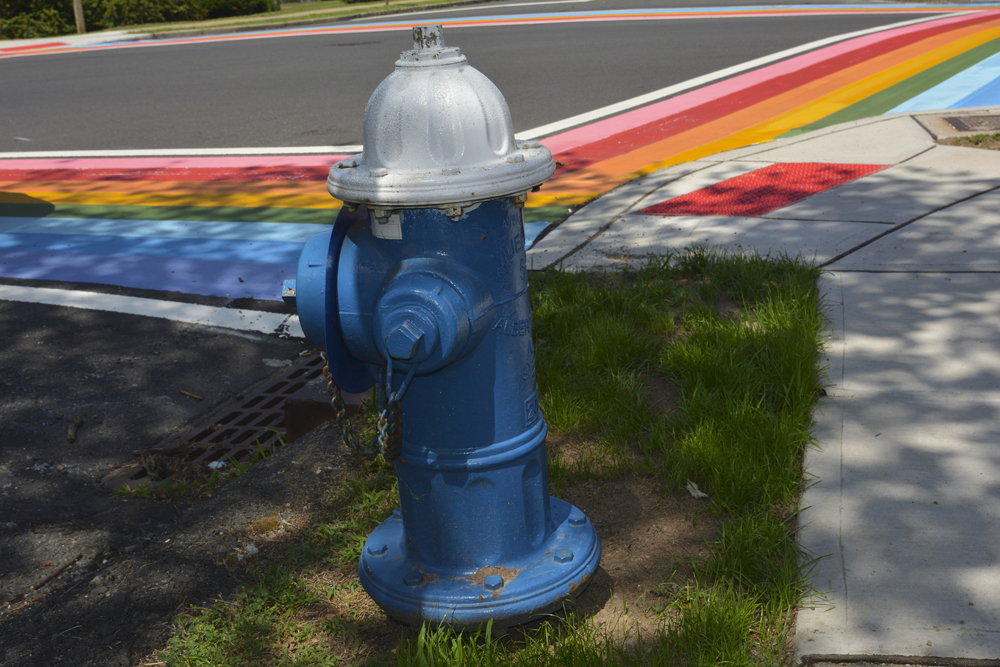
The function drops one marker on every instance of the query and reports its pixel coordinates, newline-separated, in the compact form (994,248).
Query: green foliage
(747,382)
(592,340)
(44,22)
(373,498)
(221,8)
(138,12)
(22,19)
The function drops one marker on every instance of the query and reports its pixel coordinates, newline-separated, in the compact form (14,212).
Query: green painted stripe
(192,213)
(544,213)
(893,96)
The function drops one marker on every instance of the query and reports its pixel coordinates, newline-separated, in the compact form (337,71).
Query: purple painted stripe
(171,274)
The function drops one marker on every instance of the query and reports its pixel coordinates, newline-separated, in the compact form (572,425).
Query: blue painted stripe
(186,229)
(951,94)
(988,95)
(236,280)
(227,250)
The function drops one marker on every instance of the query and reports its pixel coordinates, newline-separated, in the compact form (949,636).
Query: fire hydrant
(422,288)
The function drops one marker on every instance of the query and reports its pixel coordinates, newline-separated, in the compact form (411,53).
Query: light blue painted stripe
(174,229)
(532,230)
(951,93)
(988,95)
(236,280)
(219,250)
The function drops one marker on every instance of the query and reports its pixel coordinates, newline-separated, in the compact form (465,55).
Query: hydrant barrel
(425,283)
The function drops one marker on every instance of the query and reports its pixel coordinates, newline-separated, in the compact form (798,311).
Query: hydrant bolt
(577,518)
(494,582)
(404,341)
(563,556)
(377,550)
(413,578)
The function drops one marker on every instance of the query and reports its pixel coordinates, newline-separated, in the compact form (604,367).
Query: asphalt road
(312,90)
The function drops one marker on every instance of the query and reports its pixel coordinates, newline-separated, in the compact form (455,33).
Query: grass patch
(986,141)
(700,367)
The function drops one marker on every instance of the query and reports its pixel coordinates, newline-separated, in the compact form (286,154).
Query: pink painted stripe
(632,119)
(233,162)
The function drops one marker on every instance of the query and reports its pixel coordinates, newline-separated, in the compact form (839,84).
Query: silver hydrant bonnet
(437,132)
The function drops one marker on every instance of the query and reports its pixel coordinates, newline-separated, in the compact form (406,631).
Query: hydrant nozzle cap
(437,132)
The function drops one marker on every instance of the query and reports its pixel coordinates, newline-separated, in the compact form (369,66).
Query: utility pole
(78,14)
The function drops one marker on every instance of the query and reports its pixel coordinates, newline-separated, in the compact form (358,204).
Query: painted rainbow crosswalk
(233,226)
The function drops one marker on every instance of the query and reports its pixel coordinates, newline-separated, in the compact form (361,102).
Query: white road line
(188,152)
(487,6)
(229,318)
(642,100)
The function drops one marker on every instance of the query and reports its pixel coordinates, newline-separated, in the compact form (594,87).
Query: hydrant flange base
(532,586)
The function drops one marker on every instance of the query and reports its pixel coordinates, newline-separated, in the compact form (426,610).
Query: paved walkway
(906,505)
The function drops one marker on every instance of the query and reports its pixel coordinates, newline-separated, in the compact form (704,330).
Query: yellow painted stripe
(324,201)
(537,199)
(171,187)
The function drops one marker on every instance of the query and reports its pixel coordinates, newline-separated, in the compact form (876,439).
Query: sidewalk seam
(903,225)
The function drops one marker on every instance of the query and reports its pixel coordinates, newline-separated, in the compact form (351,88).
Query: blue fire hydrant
(422,288)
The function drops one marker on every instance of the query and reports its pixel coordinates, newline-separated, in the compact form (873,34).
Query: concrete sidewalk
(906,505)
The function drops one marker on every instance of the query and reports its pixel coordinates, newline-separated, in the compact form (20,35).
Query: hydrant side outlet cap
(437,131)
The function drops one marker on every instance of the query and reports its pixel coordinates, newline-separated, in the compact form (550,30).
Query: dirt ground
(115,380)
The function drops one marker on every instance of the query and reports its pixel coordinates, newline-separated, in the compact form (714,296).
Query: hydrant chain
(389,438)
(340,413)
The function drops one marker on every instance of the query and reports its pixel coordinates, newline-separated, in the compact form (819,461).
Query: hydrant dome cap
(437,131)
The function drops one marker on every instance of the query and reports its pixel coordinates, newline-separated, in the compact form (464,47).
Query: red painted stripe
(12,49)
(623,142)
(313,173)
(763,190)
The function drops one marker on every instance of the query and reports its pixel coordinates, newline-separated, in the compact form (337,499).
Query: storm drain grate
(974,123)
(235,431)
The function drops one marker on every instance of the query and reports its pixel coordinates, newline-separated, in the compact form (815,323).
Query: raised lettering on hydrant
(422,289)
